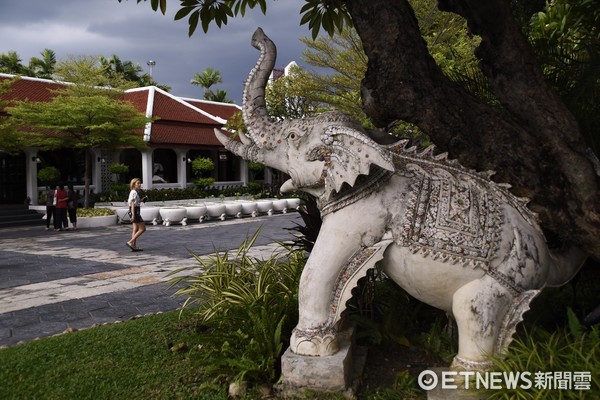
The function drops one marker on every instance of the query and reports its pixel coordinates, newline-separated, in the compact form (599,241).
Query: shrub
(118,168)
(202,164)
(202,183)
(255,167)
(247,308)
(48,175)
(94,212)
(568,349)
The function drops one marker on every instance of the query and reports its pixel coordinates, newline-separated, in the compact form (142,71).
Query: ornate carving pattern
(453,213)
(310,334)
(450,219)
(462,364)
(347,272)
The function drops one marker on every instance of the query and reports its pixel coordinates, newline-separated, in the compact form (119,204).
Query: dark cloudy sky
(136,33)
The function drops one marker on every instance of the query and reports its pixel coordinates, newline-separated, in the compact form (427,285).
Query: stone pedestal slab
(325,374)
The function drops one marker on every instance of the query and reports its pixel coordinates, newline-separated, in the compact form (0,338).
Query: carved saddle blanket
(451,218)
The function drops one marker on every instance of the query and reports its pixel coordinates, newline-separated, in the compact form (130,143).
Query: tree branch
(532,141)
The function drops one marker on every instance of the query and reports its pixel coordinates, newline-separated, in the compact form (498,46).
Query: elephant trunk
(251,151)
(261,128)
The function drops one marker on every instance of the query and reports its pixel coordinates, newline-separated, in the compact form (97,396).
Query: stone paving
(53,281)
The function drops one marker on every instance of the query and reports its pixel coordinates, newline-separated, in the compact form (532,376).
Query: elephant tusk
(245,139)
(224,139)
(248,152)
(288,186)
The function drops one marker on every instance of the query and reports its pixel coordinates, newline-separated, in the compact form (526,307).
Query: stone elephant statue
(448,235)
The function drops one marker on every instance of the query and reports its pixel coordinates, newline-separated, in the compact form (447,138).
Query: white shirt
(135,197)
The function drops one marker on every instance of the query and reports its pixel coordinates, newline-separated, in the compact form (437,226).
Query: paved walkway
(53,281)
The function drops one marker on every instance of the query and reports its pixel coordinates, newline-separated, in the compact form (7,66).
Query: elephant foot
(463,364)
(314,342)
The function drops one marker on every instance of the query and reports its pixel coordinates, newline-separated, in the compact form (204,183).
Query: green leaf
(189,3)
(183,12)
(574,324)
(263,6)
(193,22)
(316,26)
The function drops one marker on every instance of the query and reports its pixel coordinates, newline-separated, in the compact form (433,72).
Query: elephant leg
(315,334)
(479,308)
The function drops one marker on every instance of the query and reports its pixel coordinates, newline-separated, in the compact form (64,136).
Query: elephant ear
(351,153)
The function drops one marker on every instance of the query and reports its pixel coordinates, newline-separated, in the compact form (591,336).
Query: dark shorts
(137,216)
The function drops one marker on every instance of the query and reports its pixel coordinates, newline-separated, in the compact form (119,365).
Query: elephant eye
(292,136)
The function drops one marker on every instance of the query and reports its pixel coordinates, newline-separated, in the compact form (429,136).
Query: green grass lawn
(119,361)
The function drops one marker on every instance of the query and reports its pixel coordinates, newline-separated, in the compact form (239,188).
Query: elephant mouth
(297,182)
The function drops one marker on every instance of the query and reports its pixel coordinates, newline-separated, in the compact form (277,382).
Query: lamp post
(151,63)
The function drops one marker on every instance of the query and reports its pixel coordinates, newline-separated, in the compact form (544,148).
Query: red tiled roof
(221,110)
(31,89)
(138,98)
(168,108)
(178,121)
(181,134)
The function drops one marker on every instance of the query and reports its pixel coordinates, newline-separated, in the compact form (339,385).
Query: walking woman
(137,222)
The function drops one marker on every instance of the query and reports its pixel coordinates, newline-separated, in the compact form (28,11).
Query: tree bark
(532,141)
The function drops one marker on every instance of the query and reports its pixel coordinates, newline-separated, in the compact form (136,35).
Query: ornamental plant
(201,166)
(246,307)
(48,175)
(575,348)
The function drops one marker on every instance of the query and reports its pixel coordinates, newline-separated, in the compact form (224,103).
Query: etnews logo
(556,380)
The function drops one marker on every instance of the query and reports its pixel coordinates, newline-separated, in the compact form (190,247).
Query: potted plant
(201,166)
(47,176)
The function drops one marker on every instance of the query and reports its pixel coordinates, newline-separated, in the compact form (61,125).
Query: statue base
(335,373)
(460,393)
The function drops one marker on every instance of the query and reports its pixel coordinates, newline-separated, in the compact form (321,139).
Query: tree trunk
(532,141)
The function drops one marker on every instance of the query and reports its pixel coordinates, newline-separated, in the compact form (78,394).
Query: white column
(268,175)
(147,169)
(182,168)
(243,171)
(31,170)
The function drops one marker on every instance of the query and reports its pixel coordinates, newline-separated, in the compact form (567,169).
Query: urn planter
(216,210)
(196,212)
(233,209)
(249,208)
(150,214)
(265,206)
(173,215)
(280,205)
(293,203)
(122,215)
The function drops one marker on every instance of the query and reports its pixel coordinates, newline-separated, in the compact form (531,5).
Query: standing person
(72,200)
(60,215)
(50,207)
(137,222)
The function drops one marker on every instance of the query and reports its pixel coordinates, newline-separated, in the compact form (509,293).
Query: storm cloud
(136,33)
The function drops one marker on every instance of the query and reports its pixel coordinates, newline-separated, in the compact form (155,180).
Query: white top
(135,197)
